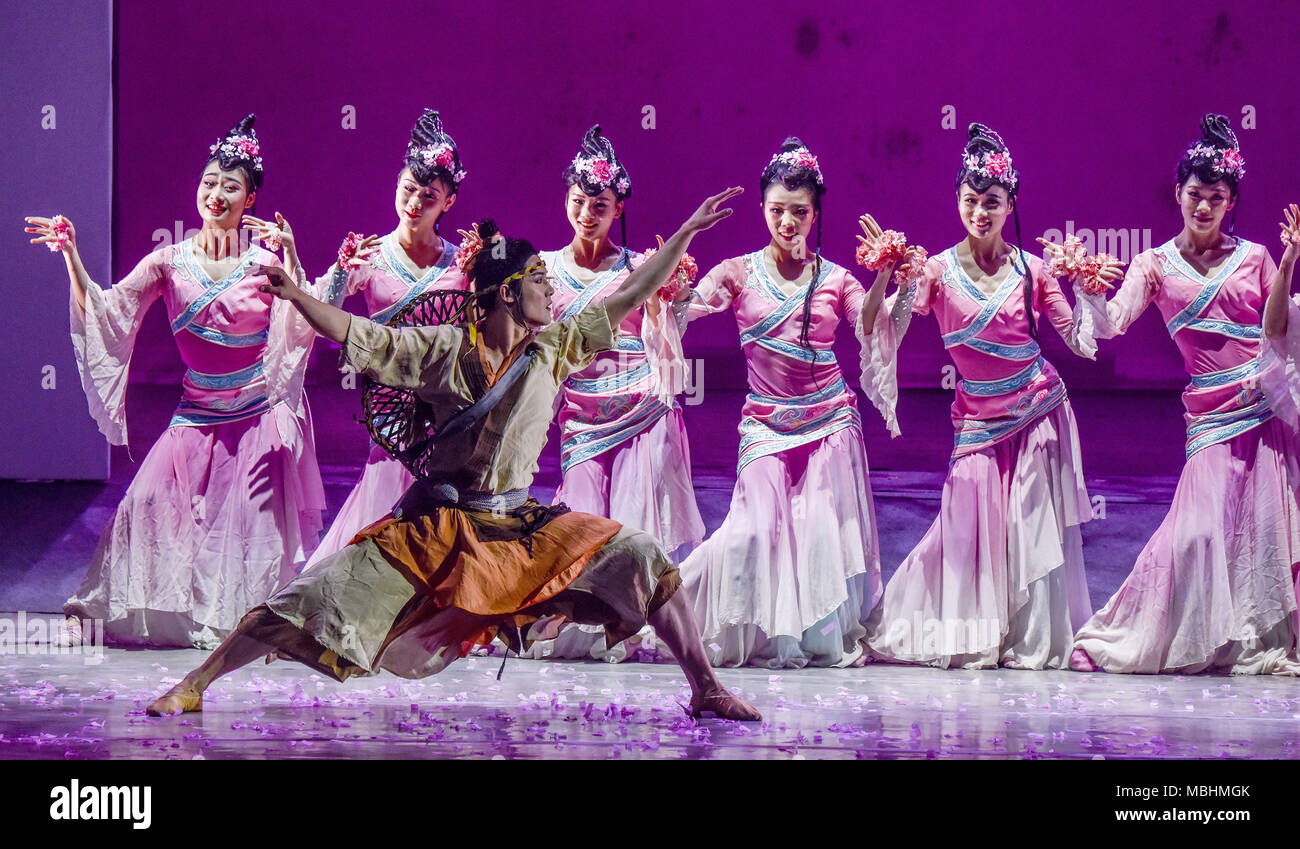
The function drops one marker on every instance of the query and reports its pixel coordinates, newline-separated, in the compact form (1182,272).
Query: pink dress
(793,571)
(226,505)
(998,578)
(389,283)
(1214,588)
(623,452)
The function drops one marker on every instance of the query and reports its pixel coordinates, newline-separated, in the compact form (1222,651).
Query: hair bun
(982,139)
(792,143)
(428,129)
(488,230)
(596,145)
(1217,132)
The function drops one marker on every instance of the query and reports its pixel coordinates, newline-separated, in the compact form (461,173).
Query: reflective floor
(62,707)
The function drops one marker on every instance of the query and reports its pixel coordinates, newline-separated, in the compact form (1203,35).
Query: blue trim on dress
(229,340)
(212,289)
(989,433)
(1005,385)
(1210,287)
(835,388)
(417,286)
(609,383)
(1226,376)
(759,440)
(229,380)
(587,293)
(584,446)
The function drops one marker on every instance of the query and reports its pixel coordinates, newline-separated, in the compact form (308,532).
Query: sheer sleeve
(880,347)
(1279,358)
(1141,283)
(1074,324)
(103,337)
(290,338)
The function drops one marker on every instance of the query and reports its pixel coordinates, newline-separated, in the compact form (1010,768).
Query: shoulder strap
(476,412)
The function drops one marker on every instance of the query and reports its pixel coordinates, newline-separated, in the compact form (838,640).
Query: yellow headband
(521,274)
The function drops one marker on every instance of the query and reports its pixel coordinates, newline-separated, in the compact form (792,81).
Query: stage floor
(59,707)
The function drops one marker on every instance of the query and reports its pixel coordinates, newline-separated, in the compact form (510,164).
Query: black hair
(981,142)
(794,178)
(499,258)
(428,132)
(1216,133)
(228,160)
(596,146)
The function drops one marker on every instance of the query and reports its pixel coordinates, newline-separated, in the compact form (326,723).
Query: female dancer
(226,505)
(998,578)
(472,554)
(795,567)
(1213,589)
(624,452)
(393,272)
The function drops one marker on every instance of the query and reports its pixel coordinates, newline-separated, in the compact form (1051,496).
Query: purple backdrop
(1097,103)
(56,157)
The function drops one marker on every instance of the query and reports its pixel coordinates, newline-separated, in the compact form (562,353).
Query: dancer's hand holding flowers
(272,234)
(55,233)
(1095,274)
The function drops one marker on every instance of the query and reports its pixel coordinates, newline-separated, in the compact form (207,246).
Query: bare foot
(723,705)
(1081,662)
(179,699)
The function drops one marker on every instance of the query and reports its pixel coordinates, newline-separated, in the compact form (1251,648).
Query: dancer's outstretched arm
(1275,311)
(329,321)
(646,279)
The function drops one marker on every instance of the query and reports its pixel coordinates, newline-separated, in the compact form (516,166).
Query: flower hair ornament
(431,150)
(1222,160)
(596,168)
(987,155)
(799,159)
(239,147)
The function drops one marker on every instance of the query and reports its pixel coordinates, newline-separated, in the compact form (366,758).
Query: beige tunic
(414,594)
(438,362)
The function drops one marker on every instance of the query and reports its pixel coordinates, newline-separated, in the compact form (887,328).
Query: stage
(61,707)
(58,707)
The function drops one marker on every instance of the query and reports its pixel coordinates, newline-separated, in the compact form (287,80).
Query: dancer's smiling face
(983,214)
(419,207)
(223,196)
(592,216)
(790,215)
(1204,205)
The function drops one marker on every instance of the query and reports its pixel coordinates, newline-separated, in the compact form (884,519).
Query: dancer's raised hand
(709,214)
(56,233)
(366,248)
(274,234)
(1290,233)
